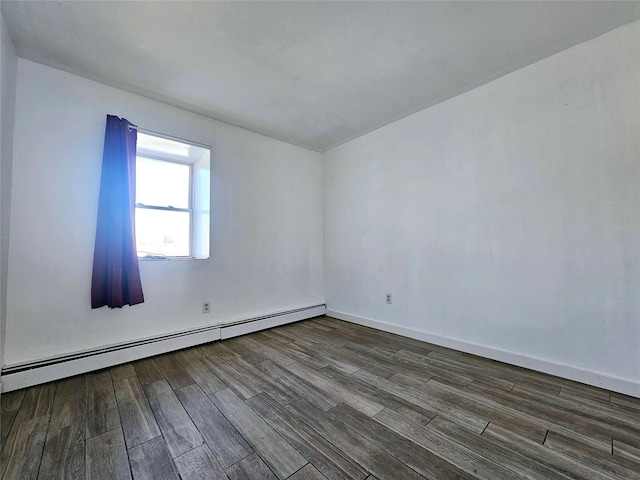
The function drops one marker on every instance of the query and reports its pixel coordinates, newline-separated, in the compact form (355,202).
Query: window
(172,198)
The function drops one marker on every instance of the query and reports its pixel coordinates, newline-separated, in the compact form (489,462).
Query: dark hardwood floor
(313,400)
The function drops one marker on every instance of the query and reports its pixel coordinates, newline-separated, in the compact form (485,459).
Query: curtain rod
(168,137)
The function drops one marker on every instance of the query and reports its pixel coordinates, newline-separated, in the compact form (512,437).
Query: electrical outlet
(206,307)
(387,297)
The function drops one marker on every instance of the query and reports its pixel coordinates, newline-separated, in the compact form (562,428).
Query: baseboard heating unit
(45,370)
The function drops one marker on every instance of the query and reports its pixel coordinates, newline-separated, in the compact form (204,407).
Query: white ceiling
(315,74)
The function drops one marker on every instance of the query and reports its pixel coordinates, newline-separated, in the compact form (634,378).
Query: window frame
(191,209)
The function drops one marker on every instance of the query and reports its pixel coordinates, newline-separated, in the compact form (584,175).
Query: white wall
(8,67)
(507,217)
(266,240)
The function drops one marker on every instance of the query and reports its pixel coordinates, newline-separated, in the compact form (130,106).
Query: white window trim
(199,209)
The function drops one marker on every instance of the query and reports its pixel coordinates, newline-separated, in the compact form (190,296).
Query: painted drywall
(266,222)
(507,217)
(8,68)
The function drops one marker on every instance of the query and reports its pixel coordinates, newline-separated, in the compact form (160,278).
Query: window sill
(162,259)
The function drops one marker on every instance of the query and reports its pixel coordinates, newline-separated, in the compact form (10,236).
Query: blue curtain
(116,277)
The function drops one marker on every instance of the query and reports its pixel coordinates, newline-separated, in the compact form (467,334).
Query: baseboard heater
(36,372)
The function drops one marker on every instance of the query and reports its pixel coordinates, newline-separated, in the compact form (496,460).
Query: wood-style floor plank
(102,409)
(262,345)
(337,391)
(589,392)
(322,352)
(296,352)
(203,376)
(463,371)
(298,385)
(465,399)
(304,331)
(6,422)
(615,420)
(250,467)
(220,351)
(411,454)
(120,372)
(283,459)
(361,450)
(276,334)
(225,442)
(147,371)
(410,366)
(235,379)
(562,463)
(9,405)
(69,404)
(591,456)
(262,382)
(173,371)
(625,400)
(320,399)
(629,452)
(463,458)
(397,404)
(22,451)
(64,454)
(151,461)
(272,349)
(610,408)
(525,467)
(200,464)
(320,452)
(517,422)
(175,424)
(138,422)
(246,348)
(11,401)
(567,421)
(429,403)
(106,457)
(37,402)
(519,375)
(309,472)
(354,357)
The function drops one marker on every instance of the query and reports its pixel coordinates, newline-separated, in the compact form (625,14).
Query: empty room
(319,240)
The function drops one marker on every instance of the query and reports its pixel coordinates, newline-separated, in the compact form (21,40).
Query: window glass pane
(152,143)
(163,184)
(162,233)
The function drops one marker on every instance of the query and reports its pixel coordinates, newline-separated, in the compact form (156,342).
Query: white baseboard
(32,373)
(588,377)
